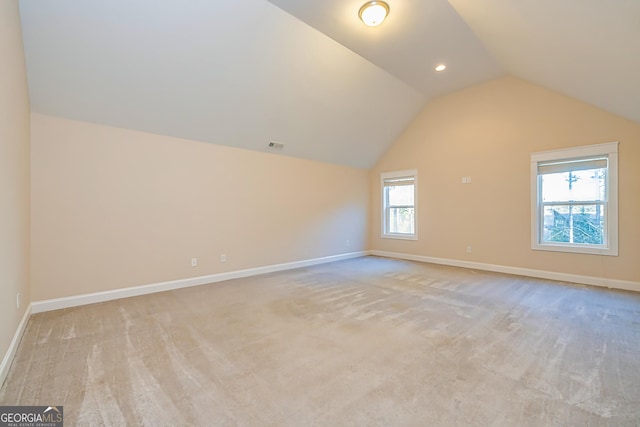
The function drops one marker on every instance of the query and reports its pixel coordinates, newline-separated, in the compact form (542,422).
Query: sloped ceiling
(587,49)
(239,73)
(308,73)
(417,36)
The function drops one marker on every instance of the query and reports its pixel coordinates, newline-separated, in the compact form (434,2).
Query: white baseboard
(77,300)
(13,346)
(541,274)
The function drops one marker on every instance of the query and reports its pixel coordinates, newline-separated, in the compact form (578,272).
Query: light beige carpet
(369,341)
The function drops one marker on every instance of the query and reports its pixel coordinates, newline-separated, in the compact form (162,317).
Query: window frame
(610,203)
(409,173)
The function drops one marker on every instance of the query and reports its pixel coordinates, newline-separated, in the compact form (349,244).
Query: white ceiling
(240,73)
(587,49)
(417,36)
(308,73)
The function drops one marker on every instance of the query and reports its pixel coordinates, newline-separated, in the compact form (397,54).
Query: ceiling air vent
(276,146)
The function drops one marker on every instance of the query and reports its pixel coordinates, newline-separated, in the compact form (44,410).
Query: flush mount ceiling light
(440,67)
(372,13)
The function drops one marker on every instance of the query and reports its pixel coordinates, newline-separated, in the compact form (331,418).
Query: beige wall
(114,208)
(14,174)
(488,132)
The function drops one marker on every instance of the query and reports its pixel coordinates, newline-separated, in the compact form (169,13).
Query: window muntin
(399,204)
(575,205)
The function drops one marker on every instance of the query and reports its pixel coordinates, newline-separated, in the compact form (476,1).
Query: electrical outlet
(194,262)
(223,257)
(18,300)
(348,243)
(468,249)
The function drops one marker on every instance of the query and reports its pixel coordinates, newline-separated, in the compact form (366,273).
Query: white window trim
(383,217)
(611,216)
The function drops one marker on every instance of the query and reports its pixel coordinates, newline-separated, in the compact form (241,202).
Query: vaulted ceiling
(308,73)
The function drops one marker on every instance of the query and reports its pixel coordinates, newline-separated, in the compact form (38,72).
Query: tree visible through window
(573,206)
(575,201)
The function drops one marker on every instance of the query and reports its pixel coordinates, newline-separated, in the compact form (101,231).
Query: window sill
(400,236)
(591,250)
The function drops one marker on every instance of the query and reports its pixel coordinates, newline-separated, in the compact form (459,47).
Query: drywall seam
(13,346)
(529,272)
(92,298)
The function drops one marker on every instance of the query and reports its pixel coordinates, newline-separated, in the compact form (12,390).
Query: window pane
(401,195)
(582,224)
(401,220)
(578,186)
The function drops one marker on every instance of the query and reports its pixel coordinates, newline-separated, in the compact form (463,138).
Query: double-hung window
(574,200)
(399,204)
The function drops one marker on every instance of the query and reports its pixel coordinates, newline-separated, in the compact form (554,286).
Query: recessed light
(440,67)
(372,13)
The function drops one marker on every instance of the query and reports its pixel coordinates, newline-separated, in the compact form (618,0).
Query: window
(574,200)
(399,204)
